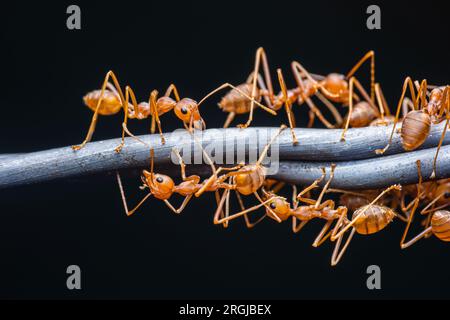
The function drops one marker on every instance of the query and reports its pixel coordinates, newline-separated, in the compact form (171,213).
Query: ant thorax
(164,105)
(337,85)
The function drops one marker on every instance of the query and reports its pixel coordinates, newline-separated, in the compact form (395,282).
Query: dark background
(46,69)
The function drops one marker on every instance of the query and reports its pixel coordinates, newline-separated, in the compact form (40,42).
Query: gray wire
(319,145)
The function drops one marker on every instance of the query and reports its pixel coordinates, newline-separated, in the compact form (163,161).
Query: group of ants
(372,210)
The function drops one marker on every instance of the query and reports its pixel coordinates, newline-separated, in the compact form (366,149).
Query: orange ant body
(247,180)
(416,124)
(258,87)
(438,221)
(366,220)
(278,209)
(339,88)
(110,99)
(162,187)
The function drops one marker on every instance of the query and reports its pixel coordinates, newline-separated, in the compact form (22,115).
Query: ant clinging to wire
(258,87)
(162,186)
(337,88)
(110,99)
(416,124)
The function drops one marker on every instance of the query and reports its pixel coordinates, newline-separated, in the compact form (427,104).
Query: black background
(46,69)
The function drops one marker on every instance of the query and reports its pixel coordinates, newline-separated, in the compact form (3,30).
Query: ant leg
(426,209)
(350,106)
(313,108)
(124,128)
(407,82)
(217,197)
(321,238)
(239,214)
(353,193)
(298,68)
(354,82)
(128,93)
(246,218)
(295,228)
(222,178)
(337,256)
(183,205)
(124,200)
(228,85)
(380,101)
(327,185)
(266,148)
(183,168)
(425,233)
(312,186)
(404,245)
(91,130)
(287,105)
(337,116)
(311,119)
(369,55)
(155,114)
(334,236)
(386,109)
(422,94)
(446,96)
(230,119)
(260,55)
(170,89)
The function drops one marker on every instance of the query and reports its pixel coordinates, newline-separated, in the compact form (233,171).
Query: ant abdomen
(415,129)
(440,225)
(251,179)
(362,115)
(374,219)
(235,102)
(110,104)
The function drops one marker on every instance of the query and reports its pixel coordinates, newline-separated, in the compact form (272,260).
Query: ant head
(336,83)
(185,108)
(444,190)
(160,185)
(280,207)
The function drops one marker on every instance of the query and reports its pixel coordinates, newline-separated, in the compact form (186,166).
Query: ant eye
(447,194)
(159,179)
(273,205)
(184,110)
